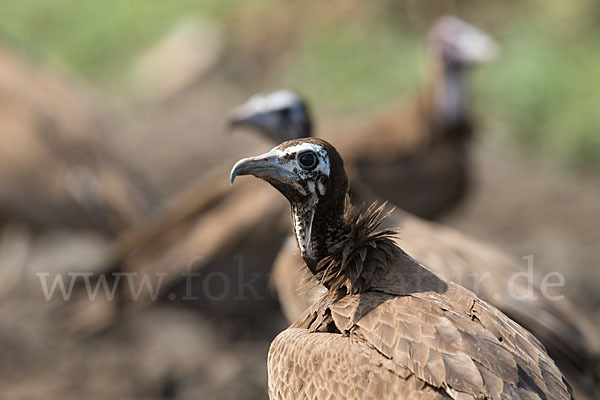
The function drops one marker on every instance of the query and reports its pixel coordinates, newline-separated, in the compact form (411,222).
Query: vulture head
(310,174)
(454,46)
(281,115)
(461,44)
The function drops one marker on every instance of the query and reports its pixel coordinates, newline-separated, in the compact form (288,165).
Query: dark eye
(285,112)
(308,160)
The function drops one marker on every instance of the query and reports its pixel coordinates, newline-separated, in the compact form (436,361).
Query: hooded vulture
(387,327)
(487,271)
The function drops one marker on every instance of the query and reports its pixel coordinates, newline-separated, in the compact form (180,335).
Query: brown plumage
(195,226)
(479,267)
(475,265)
(56,170)
(387,327)
(184,232)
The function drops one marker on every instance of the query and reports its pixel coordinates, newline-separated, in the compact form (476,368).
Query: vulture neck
(446,101)
(319,228)
(344,243)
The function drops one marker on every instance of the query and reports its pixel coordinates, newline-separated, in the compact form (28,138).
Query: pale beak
(240,116)
(250,114)
(266,166)
(478,47)
(467,43)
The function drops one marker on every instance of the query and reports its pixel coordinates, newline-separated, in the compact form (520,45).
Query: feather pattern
(351,259)
(397,330)
(480,268)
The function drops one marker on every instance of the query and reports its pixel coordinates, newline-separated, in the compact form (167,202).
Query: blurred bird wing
(200,238)
(488,271)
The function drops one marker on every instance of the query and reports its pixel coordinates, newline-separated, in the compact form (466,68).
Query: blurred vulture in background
(56,172)
(420,146)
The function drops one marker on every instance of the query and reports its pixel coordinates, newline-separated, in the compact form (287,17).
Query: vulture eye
(285,112)
(308,159)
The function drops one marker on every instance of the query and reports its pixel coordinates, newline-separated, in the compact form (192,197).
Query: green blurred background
(350,57)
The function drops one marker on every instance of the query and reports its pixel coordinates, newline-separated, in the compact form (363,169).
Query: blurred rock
(185,54)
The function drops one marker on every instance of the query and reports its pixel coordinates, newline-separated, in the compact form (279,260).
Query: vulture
(386,327)
(421,144)
(56,170)
(284,115)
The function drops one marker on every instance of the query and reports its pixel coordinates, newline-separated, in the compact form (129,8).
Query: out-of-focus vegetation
(97,38)
(349,56)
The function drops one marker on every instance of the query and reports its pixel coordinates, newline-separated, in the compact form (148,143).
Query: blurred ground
(524,203)
(162,352)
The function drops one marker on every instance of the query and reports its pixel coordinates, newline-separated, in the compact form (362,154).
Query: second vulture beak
(241,116)
(248,116)
(266,166)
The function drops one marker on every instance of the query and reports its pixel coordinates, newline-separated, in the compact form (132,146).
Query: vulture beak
(467,43)
(478,47)
(248,116)
(266,166)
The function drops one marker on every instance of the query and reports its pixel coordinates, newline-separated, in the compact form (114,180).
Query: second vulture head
(279,116)
(461,44)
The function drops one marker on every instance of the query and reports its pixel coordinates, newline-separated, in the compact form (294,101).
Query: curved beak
(467,44)
(266,166)
(247,115)
(239,116)
(478,47)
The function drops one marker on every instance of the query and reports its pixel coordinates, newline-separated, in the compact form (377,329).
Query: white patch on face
(303,218)
(322,167)
(321,188)
(303,230)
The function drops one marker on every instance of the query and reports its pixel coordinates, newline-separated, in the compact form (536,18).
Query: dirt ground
(168,351)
